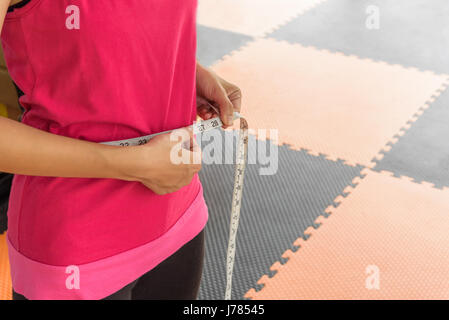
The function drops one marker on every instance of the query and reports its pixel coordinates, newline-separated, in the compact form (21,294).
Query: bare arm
(3,8)
(26,150)
(29,151)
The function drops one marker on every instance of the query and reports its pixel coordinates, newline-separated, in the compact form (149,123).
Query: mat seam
(341,53)
(266,34)
(330,210)
(390,144)
(301,241)
(291,18)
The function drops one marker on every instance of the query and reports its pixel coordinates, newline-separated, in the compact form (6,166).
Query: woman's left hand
(225,96)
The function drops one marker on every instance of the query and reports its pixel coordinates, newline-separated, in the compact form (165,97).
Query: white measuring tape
(239,173)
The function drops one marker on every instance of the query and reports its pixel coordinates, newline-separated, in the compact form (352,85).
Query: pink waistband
(99,279)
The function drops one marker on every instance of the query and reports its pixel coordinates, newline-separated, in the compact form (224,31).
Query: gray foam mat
(213,44)
(422,153)
(412,33)
(276,209)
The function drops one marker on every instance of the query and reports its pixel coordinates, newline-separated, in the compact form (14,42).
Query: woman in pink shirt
(88,220)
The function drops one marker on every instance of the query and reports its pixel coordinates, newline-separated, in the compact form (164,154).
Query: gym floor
(358,207)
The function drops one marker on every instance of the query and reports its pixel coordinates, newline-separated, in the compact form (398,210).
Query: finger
(226,108)
(235,95)
(197,168)
(196,153)
(215,109)
(185,133)
(205,113)
(201,101)
(184,136)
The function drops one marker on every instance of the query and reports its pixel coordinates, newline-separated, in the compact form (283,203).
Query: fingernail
(230,120)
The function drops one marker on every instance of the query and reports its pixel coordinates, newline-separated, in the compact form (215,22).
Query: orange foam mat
(388,239)
(341,106)
(5,276)
(251,17)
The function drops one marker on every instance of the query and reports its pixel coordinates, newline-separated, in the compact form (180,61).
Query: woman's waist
(86,195)
(90,214)
(108,120)
(99,128)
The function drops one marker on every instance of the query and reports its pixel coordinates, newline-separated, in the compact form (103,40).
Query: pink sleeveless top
(123,69)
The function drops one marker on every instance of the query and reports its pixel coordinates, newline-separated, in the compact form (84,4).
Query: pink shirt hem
(99,279)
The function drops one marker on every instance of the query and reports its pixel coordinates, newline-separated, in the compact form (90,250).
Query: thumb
(187,149)
(185,136)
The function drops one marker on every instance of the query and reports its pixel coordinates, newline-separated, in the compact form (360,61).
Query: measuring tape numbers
(239,173)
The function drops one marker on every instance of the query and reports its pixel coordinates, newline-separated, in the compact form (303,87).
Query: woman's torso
(127,69)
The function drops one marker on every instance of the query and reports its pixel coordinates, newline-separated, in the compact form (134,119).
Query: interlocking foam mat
(342,106)
(5,277)
(386,227)
(358,206)
(251,17)
(412,33)
(422,153)
(367,99)
(275,210)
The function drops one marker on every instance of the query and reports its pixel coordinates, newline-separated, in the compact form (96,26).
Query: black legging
(176,278)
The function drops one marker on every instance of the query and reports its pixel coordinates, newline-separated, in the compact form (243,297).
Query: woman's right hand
(157,163)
